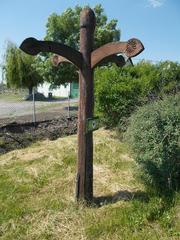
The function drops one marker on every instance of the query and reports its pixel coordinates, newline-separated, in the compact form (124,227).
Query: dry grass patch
(37,194)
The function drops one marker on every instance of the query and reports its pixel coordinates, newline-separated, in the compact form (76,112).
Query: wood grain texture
(86,108)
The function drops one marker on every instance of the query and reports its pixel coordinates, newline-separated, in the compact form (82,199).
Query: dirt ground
(22,132)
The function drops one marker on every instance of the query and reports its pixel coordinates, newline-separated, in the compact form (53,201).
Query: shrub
(118,91)
(116,94)
(154,136)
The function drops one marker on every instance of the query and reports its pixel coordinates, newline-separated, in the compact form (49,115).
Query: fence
(15,106)
(26,119)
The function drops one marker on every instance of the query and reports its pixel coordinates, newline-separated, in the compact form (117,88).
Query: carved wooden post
(85,60)
(84,187)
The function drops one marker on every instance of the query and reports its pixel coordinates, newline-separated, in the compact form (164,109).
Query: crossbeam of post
(85,60)
(118,60)
(32,46)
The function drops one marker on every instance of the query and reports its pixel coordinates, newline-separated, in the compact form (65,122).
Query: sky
(154,22)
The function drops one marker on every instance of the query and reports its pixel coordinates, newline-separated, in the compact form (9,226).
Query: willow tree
(20,69)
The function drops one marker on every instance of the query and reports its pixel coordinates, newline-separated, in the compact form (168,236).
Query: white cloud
(156,3)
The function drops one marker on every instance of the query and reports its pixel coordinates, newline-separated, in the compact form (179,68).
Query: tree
(20,69)
(64,28)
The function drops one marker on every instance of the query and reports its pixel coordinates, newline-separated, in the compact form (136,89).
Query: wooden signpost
(85,60)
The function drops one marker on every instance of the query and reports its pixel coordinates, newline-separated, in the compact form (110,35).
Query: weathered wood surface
(118,60)
(57,59)
(109,51)
(131,48)
(32,46)
(85,60)
(84,188)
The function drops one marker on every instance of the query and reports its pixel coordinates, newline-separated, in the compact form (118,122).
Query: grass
(53,106)
(37,195)
(12,97)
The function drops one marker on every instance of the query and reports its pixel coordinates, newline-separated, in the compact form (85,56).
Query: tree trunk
(30,89)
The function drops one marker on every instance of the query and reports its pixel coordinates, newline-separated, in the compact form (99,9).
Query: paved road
(9,109)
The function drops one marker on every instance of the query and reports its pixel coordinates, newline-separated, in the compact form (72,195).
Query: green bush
(154,136)
(116,94)
(118,91)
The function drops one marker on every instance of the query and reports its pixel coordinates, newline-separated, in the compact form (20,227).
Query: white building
(61,91)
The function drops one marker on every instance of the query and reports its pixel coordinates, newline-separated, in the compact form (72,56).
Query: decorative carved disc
(134,47)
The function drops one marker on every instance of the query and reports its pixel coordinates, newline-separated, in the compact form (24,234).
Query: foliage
(154,136)
(116,94)
(158,79)
(19,68)
(55,75)
(64,28)
(119,91)
(2,87)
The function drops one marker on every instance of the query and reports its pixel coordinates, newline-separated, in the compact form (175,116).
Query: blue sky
(154,22)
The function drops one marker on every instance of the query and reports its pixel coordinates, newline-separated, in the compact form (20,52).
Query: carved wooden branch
(33,47)
(131,48)
(118,60)
(57,59)
(104,54)
(107,53)
(85,60)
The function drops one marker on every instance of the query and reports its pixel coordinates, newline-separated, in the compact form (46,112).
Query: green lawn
(37,195)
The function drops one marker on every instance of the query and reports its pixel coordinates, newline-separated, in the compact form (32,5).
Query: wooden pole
(85,60)
(84,184)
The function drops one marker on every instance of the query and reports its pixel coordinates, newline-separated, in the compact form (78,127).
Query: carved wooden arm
(107,53)
(32,46)
(131,48)
(104,54)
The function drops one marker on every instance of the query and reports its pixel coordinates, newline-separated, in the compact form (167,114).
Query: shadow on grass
(119,196)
